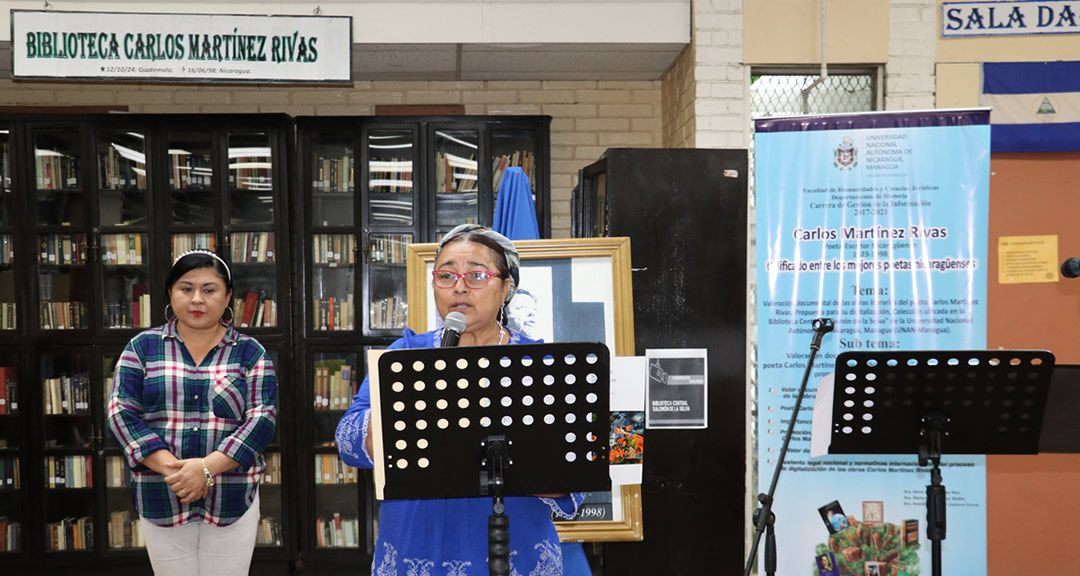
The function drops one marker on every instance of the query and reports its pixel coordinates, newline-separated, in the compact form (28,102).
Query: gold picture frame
(618,328)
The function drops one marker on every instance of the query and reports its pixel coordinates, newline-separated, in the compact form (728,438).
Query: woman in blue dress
(476,274)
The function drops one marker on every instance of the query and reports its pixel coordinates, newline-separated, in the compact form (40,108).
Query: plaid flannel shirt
(162,401)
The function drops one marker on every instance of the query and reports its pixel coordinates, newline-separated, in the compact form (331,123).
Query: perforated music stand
(932,403)
(493,421)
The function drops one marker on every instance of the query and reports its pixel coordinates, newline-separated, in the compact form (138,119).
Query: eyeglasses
(476,279)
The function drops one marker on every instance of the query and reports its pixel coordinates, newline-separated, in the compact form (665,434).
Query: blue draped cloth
(515,213)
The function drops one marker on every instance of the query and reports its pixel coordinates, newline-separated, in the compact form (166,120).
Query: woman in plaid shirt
(193,406)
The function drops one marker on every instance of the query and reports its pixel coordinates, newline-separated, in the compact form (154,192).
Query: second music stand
(932,403)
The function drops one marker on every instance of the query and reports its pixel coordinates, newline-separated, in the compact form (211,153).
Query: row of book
(337,532)
(333,313)
(10,535)
(133,314)
(125,530)
(254,311)
(197,241)
(522,159)
(66,394)
(69,472)
(390,313)
(329,469)
(7,250)
(390,248)
(251,172)
(70,534)
(272,474)
(333,249)
(269,532)
(454,173)
(190,171)
(116,472)
(122,249)
(62,315)
(390,176)
(121,167)
(7,316)
(9,474)
(335,385)
(333,174)
(56,170)
(63,249)
(9,390)
(252,247)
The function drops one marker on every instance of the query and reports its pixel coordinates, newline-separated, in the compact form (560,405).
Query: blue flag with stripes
(1035,106)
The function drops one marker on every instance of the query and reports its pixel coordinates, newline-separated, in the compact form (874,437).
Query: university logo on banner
(1035,105)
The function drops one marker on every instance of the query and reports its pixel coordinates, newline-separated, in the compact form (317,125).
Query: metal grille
(789,94)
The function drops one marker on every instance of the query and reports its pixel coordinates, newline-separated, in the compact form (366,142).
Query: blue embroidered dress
(449,537)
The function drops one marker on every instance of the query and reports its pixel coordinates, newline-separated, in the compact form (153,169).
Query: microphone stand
(763,516)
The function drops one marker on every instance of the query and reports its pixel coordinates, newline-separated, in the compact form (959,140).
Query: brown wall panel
(1032,501)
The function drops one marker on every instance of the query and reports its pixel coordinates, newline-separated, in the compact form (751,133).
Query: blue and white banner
(1035,105)
(880,222)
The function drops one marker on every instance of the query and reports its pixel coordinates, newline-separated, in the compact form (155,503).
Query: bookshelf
(109,201)
(370,187)
(315,215)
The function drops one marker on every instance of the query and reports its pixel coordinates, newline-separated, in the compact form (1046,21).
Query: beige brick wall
(679,89)
(587,116)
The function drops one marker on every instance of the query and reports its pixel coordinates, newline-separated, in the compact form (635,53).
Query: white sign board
(1010,18)
(181,47)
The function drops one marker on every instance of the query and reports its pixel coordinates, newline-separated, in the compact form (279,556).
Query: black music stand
(533,418)
(932,403)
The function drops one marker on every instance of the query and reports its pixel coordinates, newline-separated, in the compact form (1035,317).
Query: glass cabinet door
(391,178)
(62,282)
(125,281)
(251,208)
(191,176)
(251,182)
(335,381)
(12,497)
(272,495)
(59,196)
(122,178)
(8,220)
(333,271)
(387,281)
(333,185)
(513,148)
(456,179)
(124,530)
(66,434)
(7,283)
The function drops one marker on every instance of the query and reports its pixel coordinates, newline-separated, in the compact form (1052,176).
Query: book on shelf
(7,316)
(10,478)
(8,390)
(10,534)
(269,532)
(182,243)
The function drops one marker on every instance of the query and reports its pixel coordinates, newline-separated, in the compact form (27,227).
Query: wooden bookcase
(369,188)
(93,210)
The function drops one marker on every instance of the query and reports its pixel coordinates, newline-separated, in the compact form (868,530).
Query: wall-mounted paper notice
(677,394)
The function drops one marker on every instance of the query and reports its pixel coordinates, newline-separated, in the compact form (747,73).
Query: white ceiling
(496,61)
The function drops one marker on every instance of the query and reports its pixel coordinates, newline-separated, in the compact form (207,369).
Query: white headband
(206,253)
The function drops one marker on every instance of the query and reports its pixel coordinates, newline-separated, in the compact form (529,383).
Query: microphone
(1071,268)
(455,324)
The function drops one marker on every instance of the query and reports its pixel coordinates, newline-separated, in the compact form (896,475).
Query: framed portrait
(572,290)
